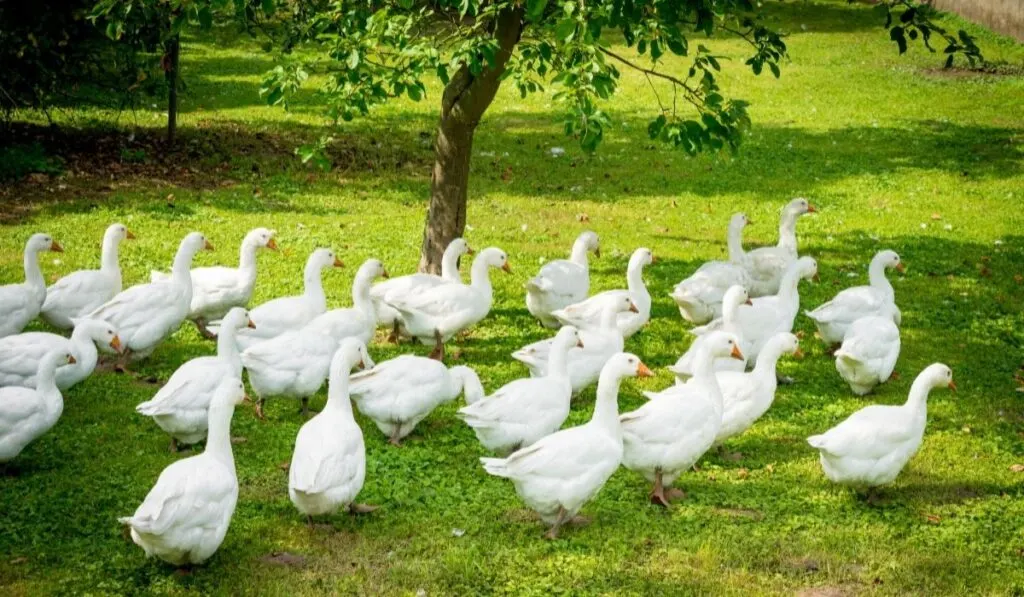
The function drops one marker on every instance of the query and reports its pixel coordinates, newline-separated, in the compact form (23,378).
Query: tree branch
(690,92)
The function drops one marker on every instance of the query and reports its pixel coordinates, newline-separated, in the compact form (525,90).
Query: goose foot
(394,440)
(553,531)
(674,493)
(361,508)
(258,409)
(174,446)
(657,495)
(394,337)
(438,353)
(894,376)
(579,521)
(305,410)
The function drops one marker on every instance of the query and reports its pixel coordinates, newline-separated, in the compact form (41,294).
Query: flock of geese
(745,308)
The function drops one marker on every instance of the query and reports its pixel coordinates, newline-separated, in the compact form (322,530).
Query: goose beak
(115,343)
(816,278)
(633,308)
(748,302)
(643,371)
(579,344)
(951,385)
(506,268)
(361,364)
(208,246)
(798,353)
(272,244)
(72,361)
(736,353)
(129,235)
(811,209)
(55,247)
(385,275)
(469,250)
(901,268)
(597,252)
(251,325)
(338,263)
(246,398)
(653,259)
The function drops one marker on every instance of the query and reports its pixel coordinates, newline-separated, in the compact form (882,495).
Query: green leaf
(949,61)
(656,125)
(896,34)
(205,17)
(565,29)
(268,7)
(775,69)
(656,51)
(677,47)
(535,9)
(908,15)
(353,59)
(415,93)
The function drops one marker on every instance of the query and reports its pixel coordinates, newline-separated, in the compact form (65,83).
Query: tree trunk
(173,49)
(465,99)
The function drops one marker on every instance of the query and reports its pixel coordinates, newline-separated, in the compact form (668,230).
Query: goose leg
(174,445)
(121,366)
(203,330)
(259,409)
(438,353)
(361,508)
(553,531)
(657,495)
(394,337)
(395,439)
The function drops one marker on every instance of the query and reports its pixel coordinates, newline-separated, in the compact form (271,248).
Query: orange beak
(951,385)
(506,268)
(643,371)
(116,344)
(597,252)
(208,247)
(653,259)
(469,250)
(129,235)
(749,302)
(798,353)
(816,277)
(272,244)
(361,365)
(338,263)
(54,246)
(901,268)
(811,209)
(385,275)
(736,353)
(72,360)
(251,325)
(633,308)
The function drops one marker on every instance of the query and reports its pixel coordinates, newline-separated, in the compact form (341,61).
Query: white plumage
(587,314)
(402,287)
(79,293)
(877,298)
(28,413)
(734,298)
(562,282)
(20,354)
(868,354)
(700,296)
(766,265)
(21,303)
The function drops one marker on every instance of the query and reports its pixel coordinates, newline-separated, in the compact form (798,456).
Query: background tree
(376,50)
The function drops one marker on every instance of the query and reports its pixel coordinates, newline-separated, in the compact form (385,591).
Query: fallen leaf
(283,558)
(1017,468)
(284,466)
(20,560)
(582,218)
(743,473)
(932,518)
(936,217)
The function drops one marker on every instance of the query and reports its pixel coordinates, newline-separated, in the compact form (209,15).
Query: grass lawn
(894,153)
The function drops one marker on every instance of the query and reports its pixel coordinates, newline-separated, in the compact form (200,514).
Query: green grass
(878,142)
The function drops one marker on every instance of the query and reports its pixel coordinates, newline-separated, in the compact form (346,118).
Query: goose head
(640,258)
(237,318)
(351,354)
(37,243)
(738,222)
(723,345)
(890,260)
(117,233)
(495,257)
(937,375)
(807,267)
(590,241)
(787,344)
(460,247)
(324,258)
(195,242)
(567,337)
(625,364)
(736,296)
(799,207)
(262,238)
(229,393)
(370,270)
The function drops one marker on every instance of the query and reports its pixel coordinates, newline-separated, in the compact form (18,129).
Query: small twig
(691,93)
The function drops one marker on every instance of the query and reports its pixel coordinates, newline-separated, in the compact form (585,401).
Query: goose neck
(578,255)
(109,262)
(218,441)
(480,276)
(33,273)
(606,408)
(313,284)
(878,280)
(247,256)
(734,241)
(450,265)
(227,347)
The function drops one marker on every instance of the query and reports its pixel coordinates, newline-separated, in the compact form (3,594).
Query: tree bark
(465,99)
(173,50)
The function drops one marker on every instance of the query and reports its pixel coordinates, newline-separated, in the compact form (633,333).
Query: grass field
(894,153)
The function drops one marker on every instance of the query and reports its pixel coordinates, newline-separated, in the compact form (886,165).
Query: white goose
(215,290)
(668,435)
(525,410)
(878,298)
(181,406)
(438,313)
(872,445)
(560,473)
(747,396)
(26,414)
(562,282)
(869,352)
(78,293)
(290,313)
(20,354)
(585,363)
(359,320)
(146,314)
(700,296)
(734,298)
(769,315)
(767,265)
(186,515)
(20,303)
(397,394)
(329,462)
(412,284)
(587,314)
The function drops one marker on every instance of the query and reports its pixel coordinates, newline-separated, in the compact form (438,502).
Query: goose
(699,297)
(668,434)
(20,303)
(769,315)
(216,290)
(766,265)
(181,406)
(293,365)
(869,352)
(146,314)
(747,396)
(562,282)
(878,298)
(438,313)
(359,320)
(412,284)
(587,314)
(585,363)
(329,462)
(26,414)
(20,354)
(397,394)
(872,445)
(558,474)
(525,410)
(290,313)
(78,293)
(186,515)
(734,298)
